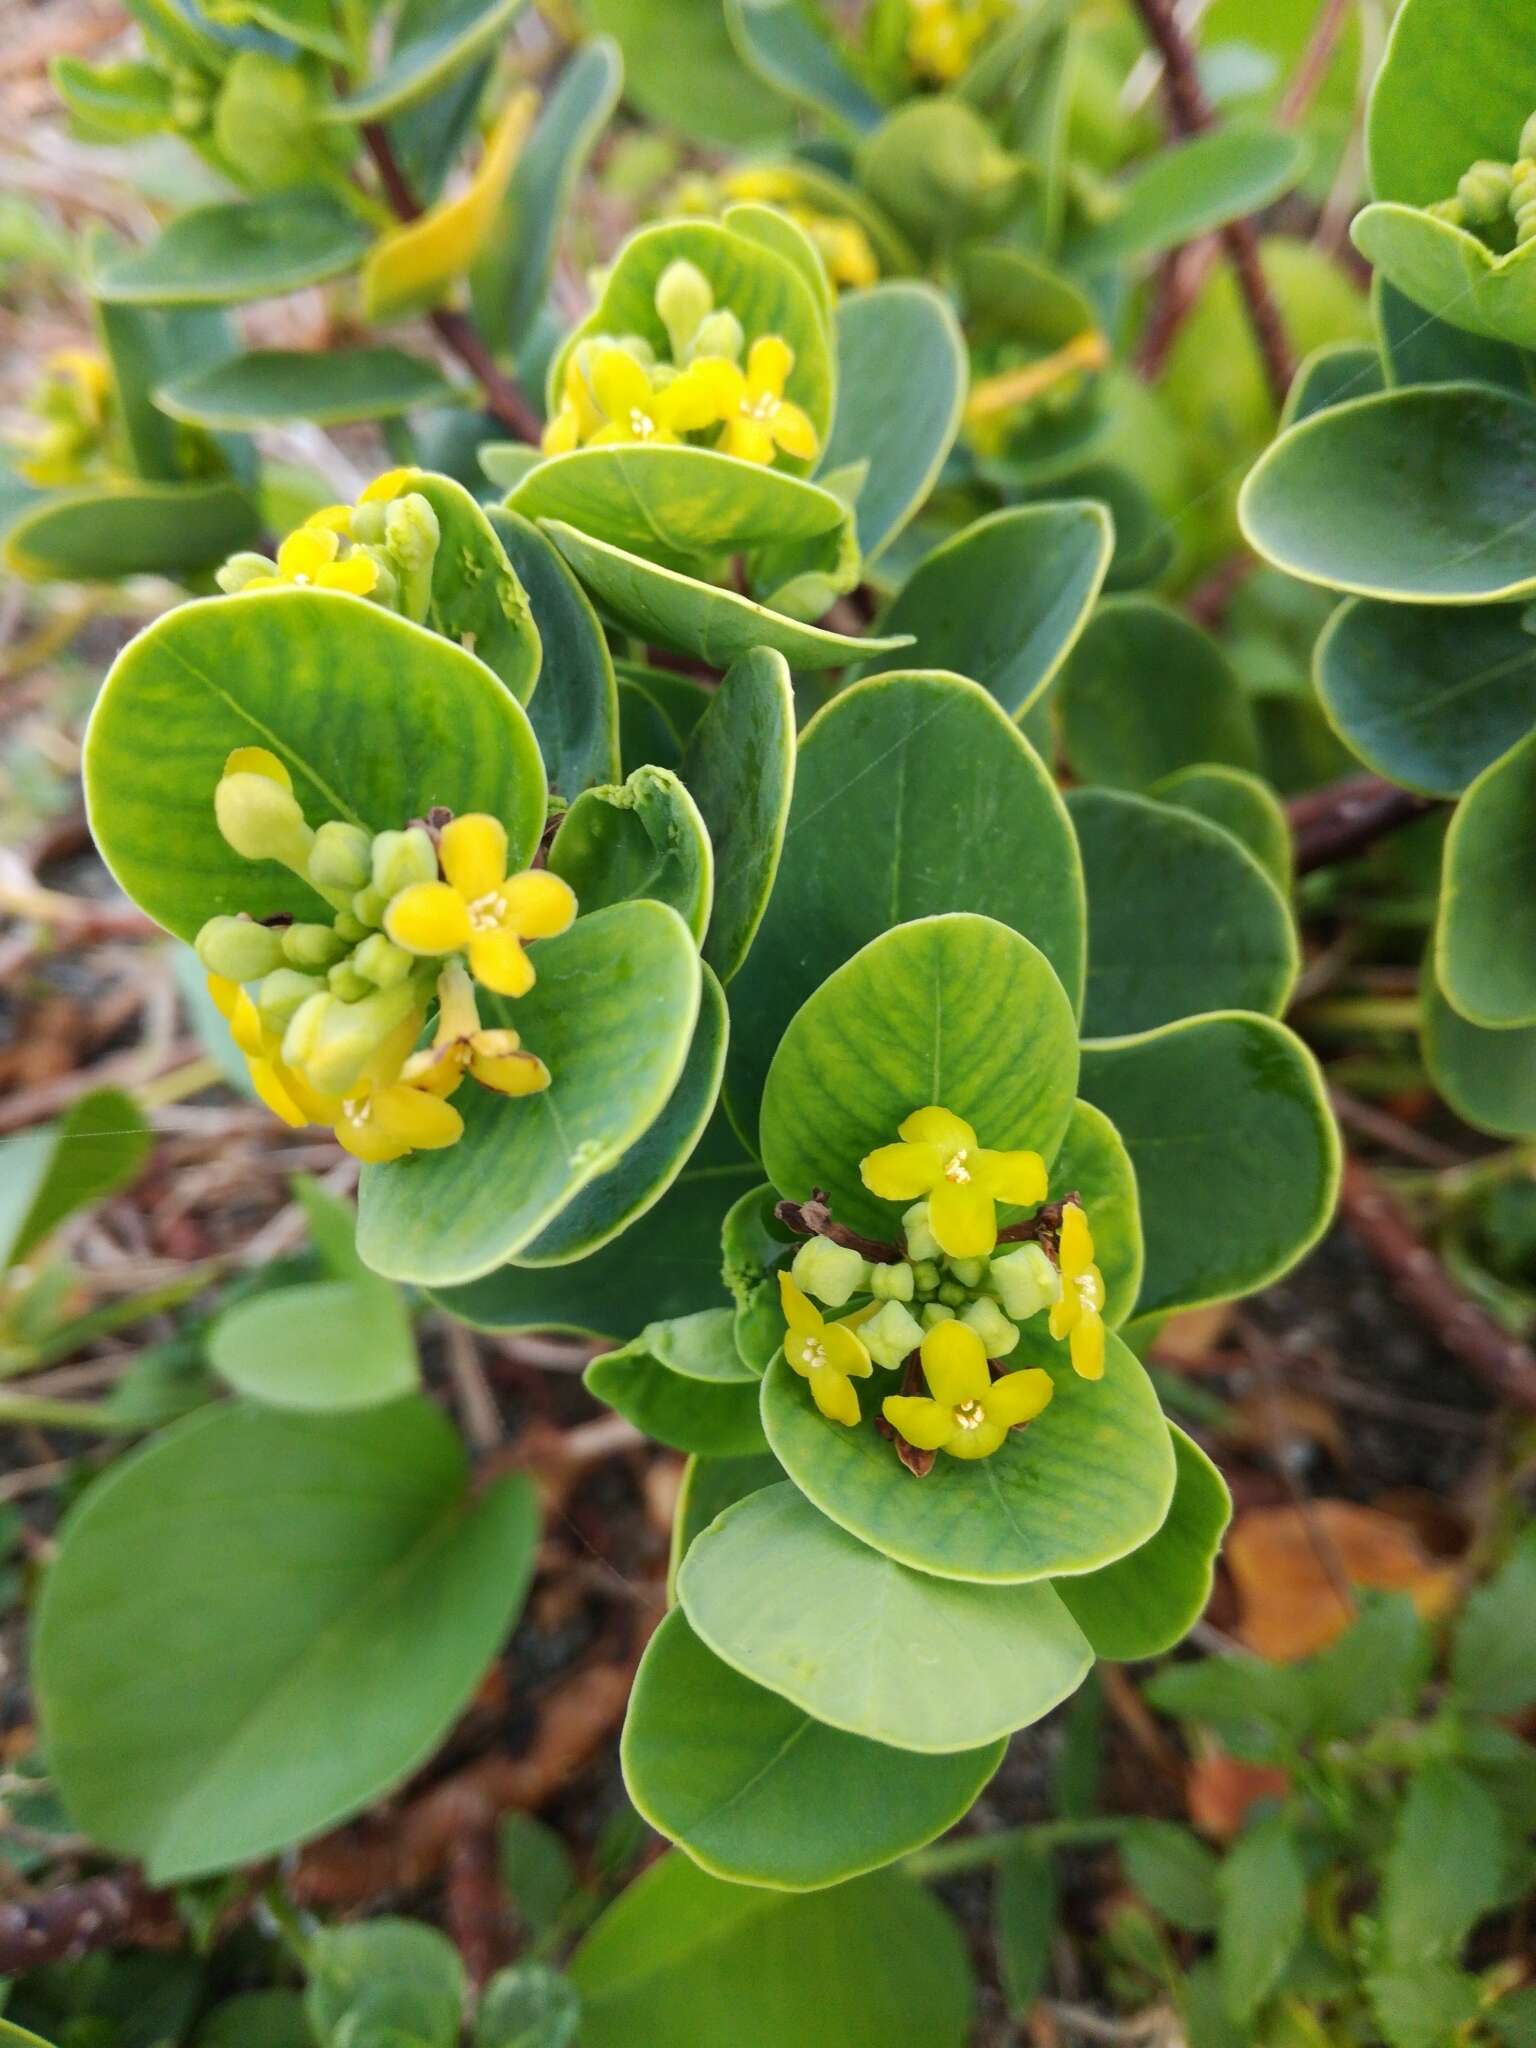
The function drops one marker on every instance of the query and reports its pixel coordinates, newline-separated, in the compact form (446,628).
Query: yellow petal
(268,1083)
(963,1217)
(900,1173)
(1018,1396)
(304,553)
(845,1353)
(358,573)
(224,994)
(498,962)
(509,1073)
(563,432)
(385,487)
(769,363)
(438,1069)
(1010,1176)
(263,583)
(619,384)
(245,1026)
(955,1363)
(926,1425)
(257,761)
(800,1312)
(429,918)
(978,1442)
(537,904)
(365,1141)
(1064,1314)
(834,1396)
(473,853)
(1076,1242)
(1087,1347)
(748,440)
(792,431)
(941,1127)
(710,389)
(336,518)
(418,1118)
(1090,1287)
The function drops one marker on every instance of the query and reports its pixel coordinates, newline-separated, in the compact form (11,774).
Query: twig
(1043,1228)
(1390,1131)
(472,1392)
(473,1905)
(1337,822)
(1501,1362)
(1191,114)
(814,1219)
(1312,67)
(504,398)
(78,1918)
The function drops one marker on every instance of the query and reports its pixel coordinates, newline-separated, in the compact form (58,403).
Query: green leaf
(1487,1077)
(512,273)
(782,233)
(324,1346)
(901,380)
(1450,272)
(48,1174)
(639,838)
(667,609)
(477,599)
(315,1572)
(146,345)
(536,1868)
(932,1011)
(100,532)
(1024,1907)
(936,167)
(384,1974)
(442,39)
(575,715)
(665,1264)
(1235,1150)
(1331,375)
(1485,934)
(330,386)
(1418,495)
(1188,189)
(1181,918)
(1094,1161)
(1175,1873)
(899,781)
(1493,1661)
(528,2006)
(618,1198)
(1424,2004)
(1418,349)
(794,1603)
(223,255)
(690,79)
(787,45)
(612,1014)
(753,1244)
(1263,1888)
(740,765)
(1444,1868)
(254,2019)
(1241,804)
(1146,691)
(709,1486)
(1083,1485)
(118,101)
(1428,696)
(1005,599)
(758,1792)
(1443,99)
(717,1417)
(301,672)
(877,1961)
(1151,1599)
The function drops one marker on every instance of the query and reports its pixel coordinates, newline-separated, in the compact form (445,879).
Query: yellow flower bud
(1025,1282)
(262,820)
(381,962)
(242,569)
(684,299)
(337,1042)
(891,1283)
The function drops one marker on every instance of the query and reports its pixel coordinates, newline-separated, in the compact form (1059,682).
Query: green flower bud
(332,1041)
(921,1242)
(399,859)
(368,908)
(302,1031)
(1484,192)
(969,1272)
(382,962)
(346,984)
(386,589)
(891,1283)
(954,1292)
(991,1326)
(891,1334)
(684,300)
(412,534)
(368,523)
(720,335)
(1025,1282)
(262,821)
(242,569)
(342,856)
(312,945)
(829,1272)
(282,993)
(1447,209)
(1527,146)
(637,346)
(350,928)
(932,1313)
(926,1275)
(238,949)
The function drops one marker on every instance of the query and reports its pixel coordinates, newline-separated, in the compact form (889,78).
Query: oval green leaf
(476,598)
(739,764)
(1488,1077)
(1450,273)
(432,43)
(1241,804)
(1485,932)
(330,386)
(224,255)
(324,1346)
(641,837)
(1188,189)
(710,1486)
(103,531)
(575,709)
(716,1414)
(1444,98)
(785,44)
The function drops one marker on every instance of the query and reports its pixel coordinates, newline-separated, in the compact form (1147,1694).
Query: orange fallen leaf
(1284,1562)
(1189,1341)
(1220,1791)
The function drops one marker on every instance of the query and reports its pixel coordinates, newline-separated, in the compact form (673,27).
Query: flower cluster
(944,36)
(382,547)
(840,240)
(1497,201)
(954,1302)
(75,408)
(616,389)
(329,1013)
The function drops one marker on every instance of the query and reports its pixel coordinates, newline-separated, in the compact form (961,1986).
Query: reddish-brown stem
(1043,1228)
(814,1219)
(1312,68)
(76,1919)
(504,399)
(1503,1364)
(1337,822)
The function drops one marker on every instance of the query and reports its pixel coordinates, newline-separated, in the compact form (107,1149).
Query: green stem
(1363,1013)
(972,1852)
(20,1410)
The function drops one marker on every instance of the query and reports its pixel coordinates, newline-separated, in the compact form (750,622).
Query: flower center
(301,577)
(1085,1289)
(957,1170)
(970,1415)
(763,407)
(813,1352)
(357,1111)
(641,425)
(485,912)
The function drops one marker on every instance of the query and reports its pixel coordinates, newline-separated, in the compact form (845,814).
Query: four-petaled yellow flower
(611,396)
(759,418)
(386,1115)
(969,1413)
(828,1355)
(1078,1315)
(460,1046)
(479,909)
(964,1182)
(309,557)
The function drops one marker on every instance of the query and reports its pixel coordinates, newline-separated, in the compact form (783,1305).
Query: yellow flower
(760,420)
(636,406)
(460,1046)
(829,1355)
(1079,1313)
(309,557)
(578,417)
(478,909)
(386,1115)
(941,1159)
(844,247)
(280,1087)
(944,35)
(970,1413)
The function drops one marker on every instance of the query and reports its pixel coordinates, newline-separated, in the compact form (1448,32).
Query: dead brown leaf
(1291,1566)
